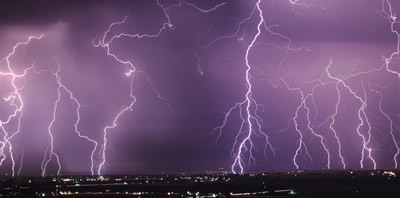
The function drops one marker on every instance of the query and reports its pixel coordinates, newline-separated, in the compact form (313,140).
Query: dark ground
(218,184)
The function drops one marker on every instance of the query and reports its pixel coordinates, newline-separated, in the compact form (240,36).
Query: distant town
(377,183)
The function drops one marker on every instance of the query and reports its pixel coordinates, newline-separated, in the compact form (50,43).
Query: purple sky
(191,74)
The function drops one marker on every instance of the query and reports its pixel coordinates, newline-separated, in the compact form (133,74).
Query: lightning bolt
(50,153)
(299,132)
(303,104)
(77,122)
(112,126)
(333,118)
(388,13)
(248,108)
(251,118)
(391,131)
(16,101)
(362,116)
(130,73)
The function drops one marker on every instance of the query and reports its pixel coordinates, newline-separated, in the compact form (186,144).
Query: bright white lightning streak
(77,110)
(391,127)
(243,146)
(249,99)
(303,104)
(368,124)
(46,160)
(16,101)
(391,17)
(328,165)
(301,143)
(388,13)
(361,113)
(50,149)
(333,118)
(71,96)
(132,70)
(114,124)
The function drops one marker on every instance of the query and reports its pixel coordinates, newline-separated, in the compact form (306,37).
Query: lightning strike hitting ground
(362,116)
(130,73)
(15,100)
(331,125)
(50,149)
(391,130)
(250,116)
(132,69)
(251,123)
(303,105)
(77,122)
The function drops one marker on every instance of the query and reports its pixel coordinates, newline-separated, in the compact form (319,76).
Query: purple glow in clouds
(135,87)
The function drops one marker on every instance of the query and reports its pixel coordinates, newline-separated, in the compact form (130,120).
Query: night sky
(185,61)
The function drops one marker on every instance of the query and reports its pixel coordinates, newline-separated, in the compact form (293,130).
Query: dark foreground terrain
(288,184)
